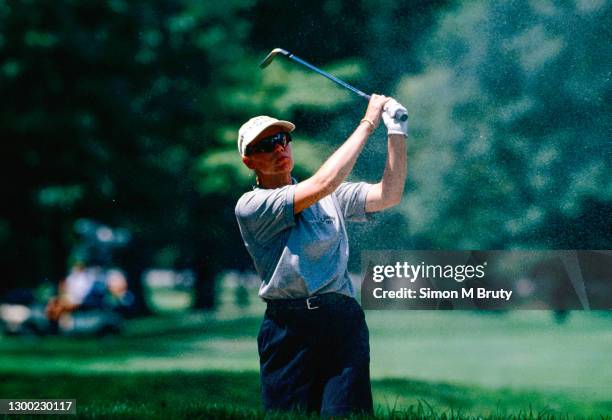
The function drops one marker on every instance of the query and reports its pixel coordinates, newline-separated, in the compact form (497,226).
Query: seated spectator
(87,288)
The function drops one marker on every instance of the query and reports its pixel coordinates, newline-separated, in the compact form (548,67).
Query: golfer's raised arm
(337,167)
(388,192)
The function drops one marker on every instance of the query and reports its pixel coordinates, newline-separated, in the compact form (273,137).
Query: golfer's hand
(394,126)
(375,109)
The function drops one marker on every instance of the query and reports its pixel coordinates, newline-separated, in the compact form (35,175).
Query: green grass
(205,365)
(519,349)
(180,394)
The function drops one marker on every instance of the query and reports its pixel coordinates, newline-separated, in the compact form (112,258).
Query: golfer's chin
(284,164)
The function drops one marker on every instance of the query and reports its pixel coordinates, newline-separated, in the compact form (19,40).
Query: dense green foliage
(127,113)
(107,107)
(512,127)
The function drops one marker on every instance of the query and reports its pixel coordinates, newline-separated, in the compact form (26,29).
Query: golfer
(313,342)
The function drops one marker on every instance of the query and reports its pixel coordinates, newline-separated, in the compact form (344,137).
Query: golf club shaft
(401,115)
(329,76)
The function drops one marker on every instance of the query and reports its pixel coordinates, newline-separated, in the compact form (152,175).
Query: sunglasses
(267,144)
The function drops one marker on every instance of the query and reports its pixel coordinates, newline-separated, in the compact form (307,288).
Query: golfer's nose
(278,147)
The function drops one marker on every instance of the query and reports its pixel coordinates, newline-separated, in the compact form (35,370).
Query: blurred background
(120,173)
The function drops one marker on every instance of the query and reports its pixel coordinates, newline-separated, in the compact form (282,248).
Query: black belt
(313,302)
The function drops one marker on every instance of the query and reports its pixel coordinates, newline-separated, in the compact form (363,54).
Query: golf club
(402,116)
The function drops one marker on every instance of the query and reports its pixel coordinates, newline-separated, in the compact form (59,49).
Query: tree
(511,129)
(110,108)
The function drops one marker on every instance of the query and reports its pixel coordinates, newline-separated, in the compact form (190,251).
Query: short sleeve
(266,213)
(352,200)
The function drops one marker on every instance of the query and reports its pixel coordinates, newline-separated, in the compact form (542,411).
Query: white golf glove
(394,125)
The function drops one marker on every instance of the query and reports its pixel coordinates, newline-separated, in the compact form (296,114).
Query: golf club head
(266,61)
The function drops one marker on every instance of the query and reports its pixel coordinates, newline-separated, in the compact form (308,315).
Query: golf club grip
(399,115)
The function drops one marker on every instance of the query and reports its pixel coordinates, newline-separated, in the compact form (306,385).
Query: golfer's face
(277,161)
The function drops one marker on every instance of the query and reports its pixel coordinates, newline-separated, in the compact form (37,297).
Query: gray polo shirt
(300,255)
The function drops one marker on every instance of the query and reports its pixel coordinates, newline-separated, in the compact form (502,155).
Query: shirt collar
(293,182)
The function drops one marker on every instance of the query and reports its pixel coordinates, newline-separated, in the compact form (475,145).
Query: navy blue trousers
(316,360)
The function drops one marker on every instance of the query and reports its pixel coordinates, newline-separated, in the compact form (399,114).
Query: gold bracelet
(372,127)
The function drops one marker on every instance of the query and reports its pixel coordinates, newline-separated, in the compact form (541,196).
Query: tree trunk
(204,289)
(134,260)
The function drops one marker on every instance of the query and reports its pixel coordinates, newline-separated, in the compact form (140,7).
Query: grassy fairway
(519,349)
(207,364)
(146,395)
